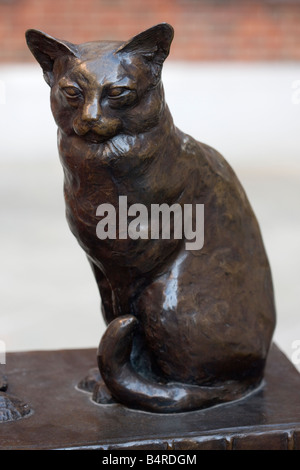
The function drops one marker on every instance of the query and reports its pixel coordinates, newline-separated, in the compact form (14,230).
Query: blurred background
(232,80)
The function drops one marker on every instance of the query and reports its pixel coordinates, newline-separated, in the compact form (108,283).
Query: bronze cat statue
(186,329)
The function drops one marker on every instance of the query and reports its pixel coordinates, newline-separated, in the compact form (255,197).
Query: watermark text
(160,222)
(296,92)
(2,352)
(296,353)
(2,92)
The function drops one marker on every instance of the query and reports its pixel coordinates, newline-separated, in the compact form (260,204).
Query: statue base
(63,417)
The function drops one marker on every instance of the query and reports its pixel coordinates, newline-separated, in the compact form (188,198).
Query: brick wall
(248,30)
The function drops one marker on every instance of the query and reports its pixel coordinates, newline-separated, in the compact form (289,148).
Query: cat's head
(101,89)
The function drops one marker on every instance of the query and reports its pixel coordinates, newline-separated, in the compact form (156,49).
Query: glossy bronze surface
(186,328)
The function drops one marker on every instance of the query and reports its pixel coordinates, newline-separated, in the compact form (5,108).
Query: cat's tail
(131,389)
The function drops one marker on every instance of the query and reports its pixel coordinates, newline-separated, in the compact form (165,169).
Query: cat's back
(212,182)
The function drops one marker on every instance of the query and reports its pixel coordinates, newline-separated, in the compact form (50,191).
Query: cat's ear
(46,50)
(153,44)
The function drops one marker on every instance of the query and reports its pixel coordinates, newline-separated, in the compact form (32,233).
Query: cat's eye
(71,92)
(118,91)
(120,97)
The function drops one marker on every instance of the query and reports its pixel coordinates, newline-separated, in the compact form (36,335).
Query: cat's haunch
(186,329)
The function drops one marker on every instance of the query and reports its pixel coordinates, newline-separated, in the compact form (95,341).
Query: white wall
(48,297)
(246,111)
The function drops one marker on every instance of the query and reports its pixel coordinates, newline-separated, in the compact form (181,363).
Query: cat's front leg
(93,382)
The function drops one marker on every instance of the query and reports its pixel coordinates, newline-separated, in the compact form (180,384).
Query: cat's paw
(93,383)
(11,408)
(87,384)
(102,395)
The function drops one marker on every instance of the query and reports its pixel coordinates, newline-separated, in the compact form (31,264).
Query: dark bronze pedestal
(65,418)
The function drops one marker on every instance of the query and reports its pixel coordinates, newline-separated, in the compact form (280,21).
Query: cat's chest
(86,176)
(101,173)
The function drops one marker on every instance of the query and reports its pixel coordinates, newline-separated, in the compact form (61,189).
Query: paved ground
(48,297)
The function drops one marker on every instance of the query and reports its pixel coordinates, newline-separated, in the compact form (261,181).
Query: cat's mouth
(96,133)
(95,138)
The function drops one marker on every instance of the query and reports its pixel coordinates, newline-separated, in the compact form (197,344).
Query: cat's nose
(89,117)
(91,112)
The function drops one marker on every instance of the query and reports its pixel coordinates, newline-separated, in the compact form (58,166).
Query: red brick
(248,30)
